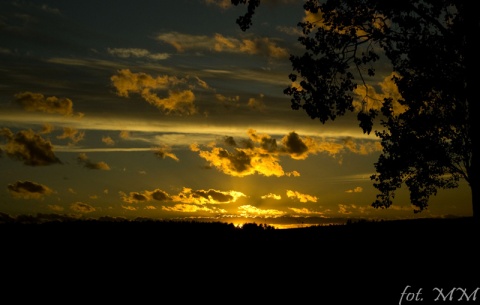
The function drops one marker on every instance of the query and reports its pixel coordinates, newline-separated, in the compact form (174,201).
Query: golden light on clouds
(210,196)
(357,189)
(73,134)
(186,196)
(367,96)
(260,153)
(124,134)
(108,141)
(219,43)
(272,196)
(305,211)
(192,208)
(177,97)
(38,102)
(301,197)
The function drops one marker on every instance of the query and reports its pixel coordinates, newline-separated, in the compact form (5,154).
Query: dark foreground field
(183,262)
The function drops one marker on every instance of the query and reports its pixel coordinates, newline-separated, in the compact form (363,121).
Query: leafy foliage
(426,131)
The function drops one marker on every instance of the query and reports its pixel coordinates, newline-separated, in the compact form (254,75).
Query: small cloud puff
(83,159)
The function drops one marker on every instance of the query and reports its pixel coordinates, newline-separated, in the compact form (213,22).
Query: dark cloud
(139,197)
(81,207)
(248,143)
(28,190)
(269,144)
(160,195)
(239,160)
(136,197)
(215,195)
(294,144)
(29,147)
(230,141)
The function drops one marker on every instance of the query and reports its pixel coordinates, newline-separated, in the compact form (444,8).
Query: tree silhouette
(427,129)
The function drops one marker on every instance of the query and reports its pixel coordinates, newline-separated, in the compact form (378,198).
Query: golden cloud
(186,196)
(305,211)
(177,100)
(108,141)
(260,153)
(165,152)
(301,197)
(83,159)
(192,208)
(210,196)
(124,134)
(73,134)
(38,102)
(368,98)
(271,196)
(357,189)
(219,43)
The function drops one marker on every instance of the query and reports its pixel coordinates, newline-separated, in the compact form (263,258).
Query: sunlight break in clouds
(251,211)
(179,99)
(306,211)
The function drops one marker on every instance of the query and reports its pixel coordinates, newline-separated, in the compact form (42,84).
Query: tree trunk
(472,61)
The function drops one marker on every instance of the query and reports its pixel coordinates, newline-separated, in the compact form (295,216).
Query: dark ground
(184,262)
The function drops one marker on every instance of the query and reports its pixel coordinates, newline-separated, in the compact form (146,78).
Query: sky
(167,110)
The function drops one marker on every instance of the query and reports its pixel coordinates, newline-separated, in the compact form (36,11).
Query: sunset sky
(167,110)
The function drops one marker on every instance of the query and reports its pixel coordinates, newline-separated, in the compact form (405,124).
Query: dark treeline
(361,262)
(427,231)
